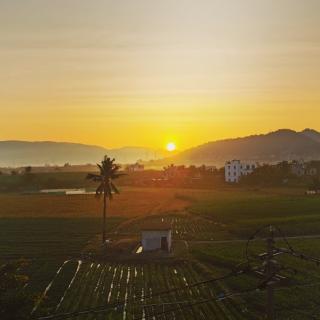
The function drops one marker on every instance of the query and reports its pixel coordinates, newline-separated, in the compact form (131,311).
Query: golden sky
(145,72)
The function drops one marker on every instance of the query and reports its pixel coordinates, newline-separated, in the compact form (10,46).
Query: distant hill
(312,134)
(272,147)
(276,146)
(21,153)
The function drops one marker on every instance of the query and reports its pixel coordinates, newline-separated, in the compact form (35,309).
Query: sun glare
(171,146)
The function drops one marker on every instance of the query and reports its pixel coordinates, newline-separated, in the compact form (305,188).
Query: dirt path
(316,236)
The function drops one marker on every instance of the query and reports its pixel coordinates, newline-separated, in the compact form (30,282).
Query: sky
(146,72)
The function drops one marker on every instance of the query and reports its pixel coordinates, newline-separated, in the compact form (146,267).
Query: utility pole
(271,271)
(269,274)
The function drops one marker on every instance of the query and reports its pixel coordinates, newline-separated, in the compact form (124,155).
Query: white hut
(156,237)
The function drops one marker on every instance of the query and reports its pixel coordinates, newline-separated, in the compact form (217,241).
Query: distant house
(311,171)
(210,168)
(313,168)
(175,172)
(234,169)
(135,167)
(298,168)
(156,237)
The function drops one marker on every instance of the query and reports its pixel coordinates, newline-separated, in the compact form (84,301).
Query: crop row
(183,227)
(134,288)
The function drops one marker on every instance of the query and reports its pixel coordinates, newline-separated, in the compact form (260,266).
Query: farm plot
(295,299)
(184,226)
(48,238)
(244,211)
(131,202)
(131,291)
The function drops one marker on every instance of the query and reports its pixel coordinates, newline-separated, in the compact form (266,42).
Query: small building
(298,168)
(156,237)
(234,169)
(311,171)
(210,168)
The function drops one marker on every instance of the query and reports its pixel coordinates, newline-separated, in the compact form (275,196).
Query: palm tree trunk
(104,218)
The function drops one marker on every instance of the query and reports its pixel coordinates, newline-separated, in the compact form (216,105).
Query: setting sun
(171,146)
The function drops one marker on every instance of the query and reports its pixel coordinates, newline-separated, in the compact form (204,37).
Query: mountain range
(283,144)
(22,153)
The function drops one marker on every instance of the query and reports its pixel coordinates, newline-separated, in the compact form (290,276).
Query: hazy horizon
(147,147)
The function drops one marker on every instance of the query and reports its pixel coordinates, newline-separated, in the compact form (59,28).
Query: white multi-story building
(235,169)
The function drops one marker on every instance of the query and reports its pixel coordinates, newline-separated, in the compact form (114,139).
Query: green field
(296,298)
(45,238)
(234,213)
(242,211)
(45,243)
(46,231)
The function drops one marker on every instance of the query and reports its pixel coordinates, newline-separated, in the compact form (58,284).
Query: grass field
(45,238)
(45,243)
(242,211)
(51,231)
(296,298)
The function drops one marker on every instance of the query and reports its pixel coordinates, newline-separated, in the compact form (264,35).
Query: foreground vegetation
(98,284)
(51,232)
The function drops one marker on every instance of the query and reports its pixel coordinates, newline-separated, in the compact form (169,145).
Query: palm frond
(101,168)
(108,171)
(93,177)
(114,188)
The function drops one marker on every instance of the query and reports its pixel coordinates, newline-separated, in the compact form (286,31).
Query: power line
(301,256)
(269,271)
(253,236)
(297,286)
(270,264)
(189,304)
(293,252)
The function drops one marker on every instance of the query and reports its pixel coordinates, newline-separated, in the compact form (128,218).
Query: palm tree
(108,171)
